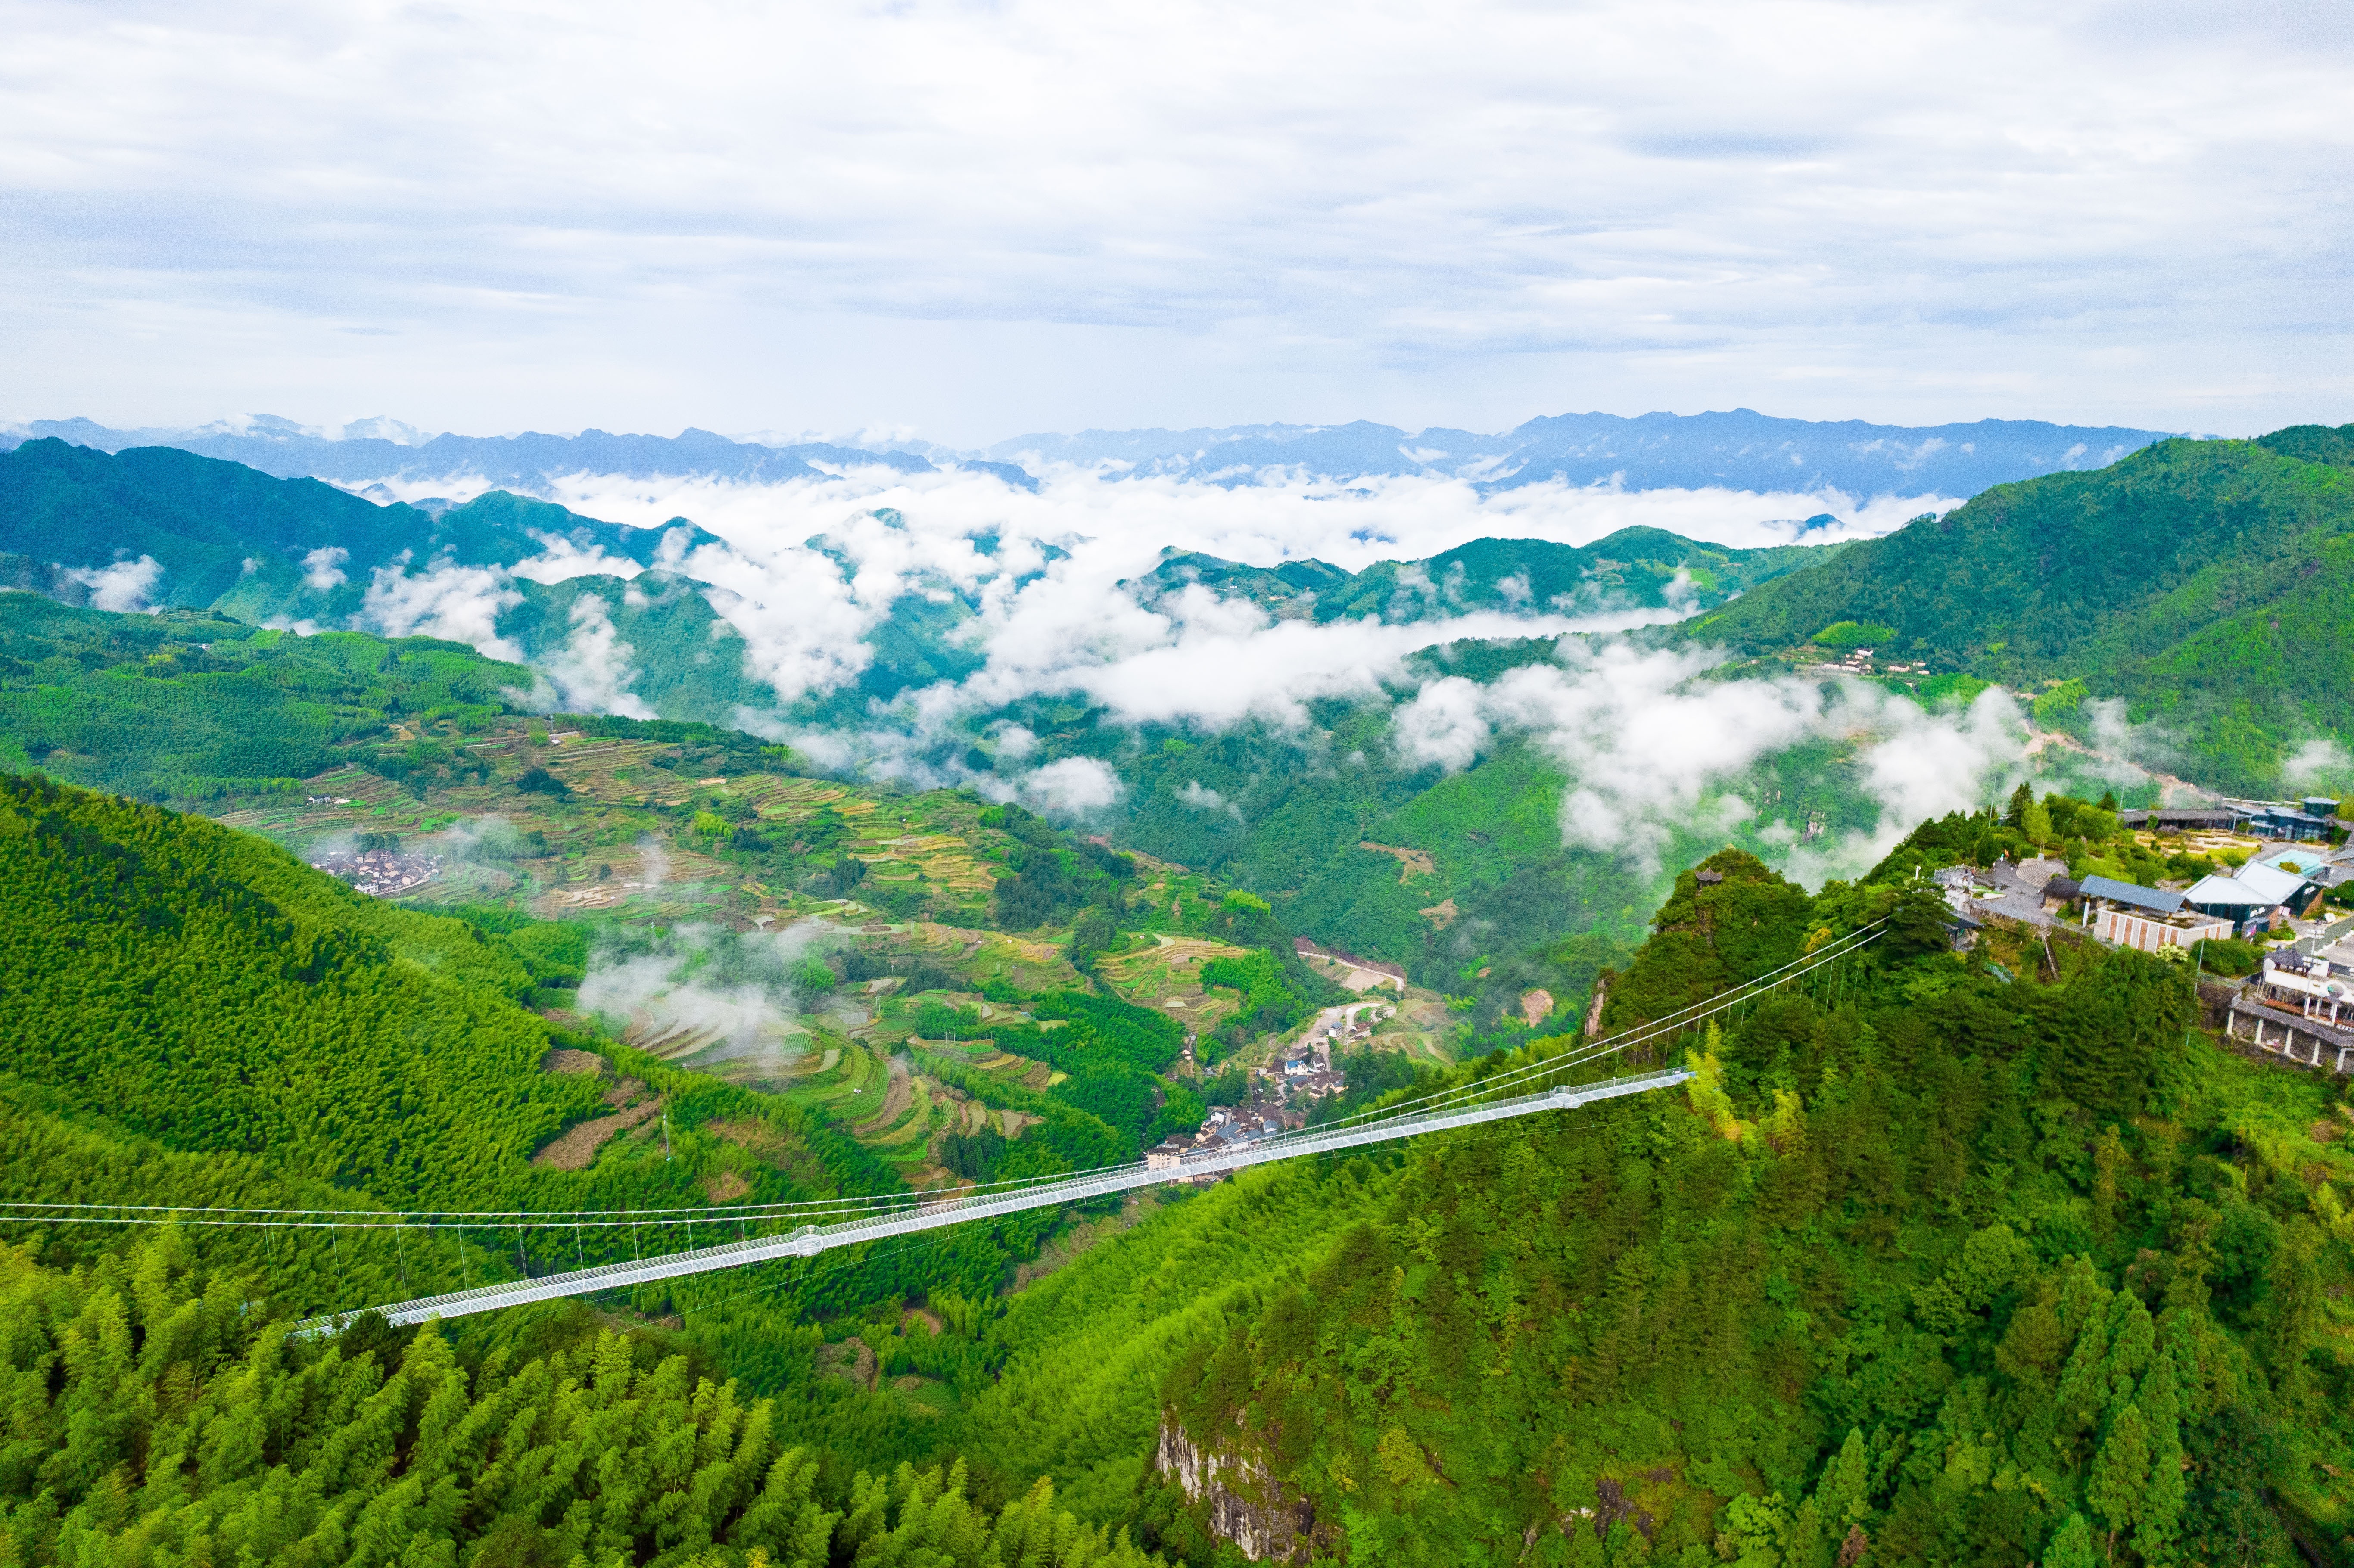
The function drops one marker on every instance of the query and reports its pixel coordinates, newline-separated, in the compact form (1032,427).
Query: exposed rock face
(1246,1504)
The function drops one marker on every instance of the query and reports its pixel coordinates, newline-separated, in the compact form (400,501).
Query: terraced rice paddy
(613,847)
(1168,975)
(983,1056)
(581,853)
(1020,961)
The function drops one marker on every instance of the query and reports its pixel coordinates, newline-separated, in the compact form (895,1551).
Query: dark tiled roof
(2109,890)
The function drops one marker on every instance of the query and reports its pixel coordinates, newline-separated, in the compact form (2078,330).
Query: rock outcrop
(1245,1505)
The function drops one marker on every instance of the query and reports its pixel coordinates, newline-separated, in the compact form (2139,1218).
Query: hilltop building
(2180,819)
(2146,917)
(2258,896)
(2301,821)
(2300,1008)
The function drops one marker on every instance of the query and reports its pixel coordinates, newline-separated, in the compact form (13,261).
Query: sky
(966,222)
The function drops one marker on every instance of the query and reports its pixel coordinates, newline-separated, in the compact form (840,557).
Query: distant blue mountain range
(1740,449)
(523,462)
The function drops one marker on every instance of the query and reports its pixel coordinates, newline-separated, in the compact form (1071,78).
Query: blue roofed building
(2146,917)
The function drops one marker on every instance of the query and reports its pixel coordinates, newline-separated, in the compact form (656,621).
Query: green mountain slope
(229,537)
(199,1019)
(203,989)
(197,705)
(1648,568)
(1929,1265)
(2205,582)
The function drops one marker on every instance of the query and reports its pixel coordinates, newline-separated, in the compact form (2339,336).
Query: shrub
(2226,956)
(1853,634)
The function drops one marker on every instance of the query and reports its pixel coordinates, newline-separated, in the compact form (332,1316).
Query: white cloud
(667,1002)
(560,560)
(593,671)
(1649,745)
(122,587)
(322,569)
(1073,628)
(1203,799)
(1076,784)
(2318,763)
(1444,724)
(461,604)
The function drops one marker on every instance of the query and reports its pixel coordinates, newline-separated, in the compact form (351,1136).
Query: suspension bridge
(771,1232)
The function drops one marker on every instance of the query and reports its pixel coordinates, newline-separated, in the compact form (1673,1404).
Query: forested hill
(197,1022)
(198,706)
(227,537)
(1979,1259)
(169,979)
(1942,1260)
(1648,567)
(2205,582)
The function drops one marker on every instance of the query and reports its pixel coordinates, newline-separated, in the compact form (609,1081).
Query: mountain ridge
(1736,448)
(2204,583)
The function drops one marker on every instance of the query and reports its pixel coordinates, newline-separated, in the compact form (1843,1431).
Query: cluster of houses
(1228,1127)
(2278,886)
(2298,821)
(1280,1095)
(380,873)
(1858,662)
(2300,1004)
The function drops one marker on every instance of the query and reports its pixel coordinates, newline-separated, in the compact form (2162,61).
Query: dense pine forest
(1983,1257)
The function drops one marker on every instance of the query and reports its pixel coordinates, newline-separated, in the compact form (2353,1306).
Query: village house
(2256,897)
(2061,892)
(2300,822)
(2299,1007)
(2319,990)
(2180,819)
(2146,917)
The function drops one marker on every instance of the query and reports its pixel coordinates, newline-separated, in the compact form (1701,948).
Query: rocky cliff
(1246,1504)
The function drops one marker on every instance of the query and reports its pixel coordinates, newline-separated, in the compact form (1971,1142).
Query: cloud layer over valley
(1042,591)
(1649,744)
(1052,594)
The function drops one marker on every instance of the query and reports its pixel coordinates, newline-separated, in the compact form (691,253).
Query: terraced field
(1168,975)
(978,955)
(923,842)
(884,1099)
(983,1056)
(613,845)
(894,1029)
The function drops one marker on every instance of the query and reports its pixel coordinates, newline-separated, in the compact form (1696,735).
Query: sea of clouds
(1072,627)
(1645,738)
